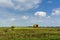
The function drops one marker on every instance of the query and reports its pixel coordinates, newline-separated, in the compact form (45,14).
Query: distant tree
(12,28)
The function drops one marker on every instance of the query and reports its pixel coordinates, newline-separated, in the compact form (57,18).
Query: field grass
(30,34)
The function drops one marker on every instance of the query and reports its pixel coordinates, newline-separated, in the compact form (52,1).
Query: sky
(29,12)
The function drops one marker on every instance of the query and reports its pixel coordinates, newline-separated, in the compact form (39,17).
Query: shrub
(12,28)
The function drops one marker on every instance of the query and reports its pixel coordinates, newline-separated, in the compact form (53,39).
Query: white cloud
(49,2)
(41,13)
(25,17)
(41,21)
(6,3)
(56,11)
(58,21)
(49,17)
(20,4)
(13,19)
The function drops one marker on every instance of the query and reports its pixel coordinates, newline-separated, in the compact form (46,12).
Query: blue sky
(29,12)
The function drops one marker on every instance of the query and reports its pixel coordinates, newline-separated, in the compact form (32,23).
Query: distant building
(35,26)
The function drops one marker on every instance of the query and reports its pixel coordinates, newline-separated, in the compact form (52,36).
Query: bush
(12,28)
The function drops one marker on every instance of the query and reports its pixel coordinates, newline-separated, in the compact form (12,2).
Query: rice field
(30,34)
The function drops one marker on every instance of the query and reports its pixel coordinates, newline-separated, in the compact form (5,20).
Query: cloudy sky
(29,12)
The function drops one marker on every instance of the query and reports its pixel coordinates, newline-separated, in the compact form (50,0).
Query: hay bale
(35,26)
